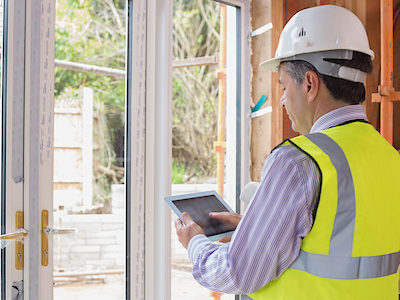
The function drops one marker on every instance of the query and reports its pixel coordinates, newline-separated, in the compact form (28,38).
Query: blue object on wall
(259,103)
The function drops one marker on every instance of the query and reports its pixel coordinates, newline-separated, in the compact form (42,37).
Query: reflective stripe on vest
(328,266)
(339,263)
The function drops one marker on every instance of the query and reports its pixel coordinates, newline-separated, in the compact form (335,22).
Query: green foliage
(91,32)
(178,173)
(94,32)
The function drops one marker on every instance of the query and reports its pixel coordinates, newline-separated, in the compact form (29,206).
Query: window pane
(200,99)
(89,120)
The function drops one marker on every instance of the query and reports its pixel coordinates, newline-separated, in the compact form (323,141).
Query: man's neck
(338,116)
(327,106)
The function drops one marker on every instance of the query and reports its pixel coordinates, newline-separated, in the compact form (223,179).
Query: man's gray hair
(297,69)
(341,89)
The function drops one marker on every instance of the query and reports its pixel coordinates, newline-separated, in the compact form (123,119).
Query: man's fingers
(186,218)
(186,229)
(221,215)
(224,216)
(225,239)
(228,218)
(178,224)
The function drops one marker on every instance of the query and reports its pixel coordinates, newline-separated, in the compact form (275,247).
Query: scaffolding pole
(386,93)
(386,86)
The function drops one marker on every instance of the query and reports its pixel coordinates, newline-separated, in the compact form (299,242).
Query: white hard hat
(319,29)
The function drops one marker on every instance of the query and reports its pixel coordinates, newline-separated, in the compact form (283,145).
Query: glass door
(89,167)
(72,222)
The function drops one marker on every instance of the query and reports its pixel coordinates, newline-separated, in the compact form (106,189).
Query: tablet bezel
(169,200)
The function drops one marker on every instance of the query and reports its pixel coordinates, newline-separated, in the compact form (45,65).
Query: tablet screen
(199,208)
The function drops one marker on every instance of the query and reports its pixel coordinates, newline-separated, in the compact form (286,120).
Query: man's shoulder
(288,158)
(289,153)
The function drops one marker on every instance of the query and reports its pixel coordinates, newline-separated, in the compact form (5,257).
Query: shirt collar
(339,116)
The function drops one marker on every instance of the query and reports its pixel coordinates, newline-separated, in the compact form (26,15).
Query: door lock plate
(45,238)
(19,245)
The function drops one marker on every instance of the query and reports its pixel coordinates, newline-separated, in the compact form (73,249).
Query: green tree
(94,32)
(91,32)
(195,90)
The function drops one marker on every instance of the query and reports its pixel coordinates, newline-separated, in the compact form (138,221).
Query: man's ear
(312,85)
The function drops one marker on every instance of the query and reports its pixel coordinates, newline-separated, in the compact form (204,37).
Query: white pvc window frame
(241,113)
(150,134)
(12,193)
(27,133)
(38,144)
(149,70)
(148,157)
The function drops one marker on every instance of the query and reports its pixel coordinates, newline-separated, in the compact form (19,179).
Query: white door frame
(149,149)
(156,169)
(38,183)
(158,150)
(12,144)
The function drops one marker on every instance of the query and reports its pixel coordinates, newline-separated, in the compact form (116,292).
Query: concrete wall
(98,244)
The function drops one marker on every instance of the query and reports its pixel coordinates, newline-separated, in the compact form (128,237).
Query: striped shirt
(268,237)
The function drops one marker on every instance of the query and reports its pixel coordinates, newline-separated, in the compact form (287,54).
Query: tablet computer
(199,205)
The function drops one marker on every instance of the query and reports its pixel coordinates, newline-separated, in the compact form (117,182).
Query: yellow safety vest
(353,249)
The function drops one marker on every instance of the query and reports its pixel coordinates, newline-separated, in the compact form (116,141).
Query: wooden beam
(396,76)
(278,15)
(261,85)
(372,25)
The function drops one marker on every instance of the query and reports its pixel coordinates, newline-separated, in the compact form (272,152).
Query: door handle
(46,230)
(18,235)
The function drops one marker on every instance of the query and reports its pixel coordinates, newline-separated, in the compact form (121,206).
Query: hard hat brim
(271,64)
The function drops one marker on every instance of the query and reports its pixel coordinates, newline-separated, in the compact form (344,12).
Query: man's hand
(230,219)
(227,218)
(187,230)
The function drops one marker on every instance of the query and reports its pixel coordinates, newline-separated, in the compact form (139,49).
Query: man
(324,222)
